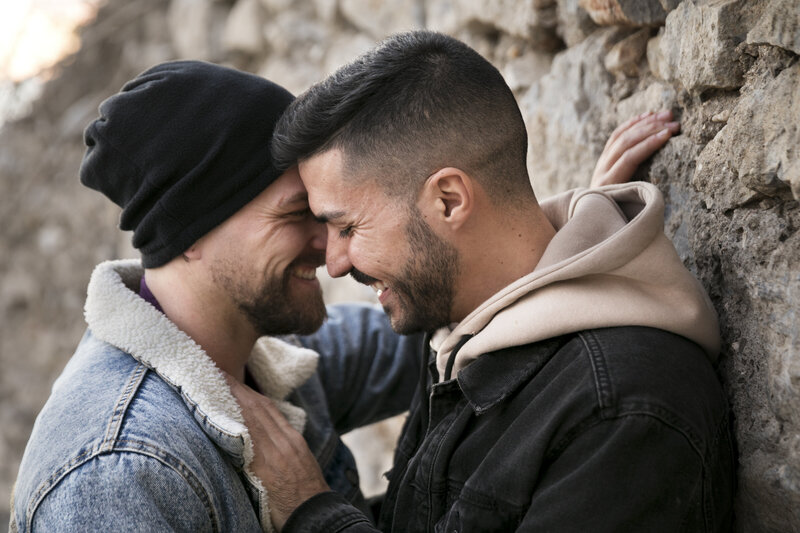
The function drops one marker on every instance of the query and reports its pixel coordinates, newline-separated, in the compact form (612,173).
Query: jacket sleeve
(328,512)
(631,473)
(367,370)
(124,492)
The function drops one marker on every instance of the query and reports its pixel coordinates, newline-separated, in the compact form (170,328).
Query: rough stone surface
(378,18)
(243,29)
(564,109)
(758,120)
(624,57)
(711,59)
(525,69)
(778,26)
(728,69)
(574,23)
(189,22)
(628,12)
(534,20)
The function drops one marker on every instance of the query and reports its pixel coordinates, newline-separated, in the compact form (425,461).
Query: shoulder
(610,373)
(131,491)
(640,361)
(110,420)
(647,372)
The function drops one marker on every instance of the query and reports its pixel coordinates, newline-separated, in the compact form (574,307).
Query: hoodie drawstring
(448,370)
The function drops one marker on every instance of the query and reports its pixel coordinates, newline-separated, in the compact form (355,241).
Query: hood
(609,264)
(117,315)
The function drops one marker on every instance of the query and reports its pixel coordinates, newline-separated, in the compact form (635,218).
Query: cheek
(374,258)
(279,246)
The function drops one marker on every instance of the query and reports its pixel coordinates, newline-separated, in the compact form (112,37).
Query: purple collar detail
(149,297)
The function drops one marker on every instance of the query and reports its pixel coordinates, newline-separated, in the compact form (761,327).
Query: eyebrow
(296,198)
(327,217)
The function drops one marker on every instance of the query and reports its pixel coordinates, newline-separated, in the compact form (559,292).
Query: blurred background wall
(727,68)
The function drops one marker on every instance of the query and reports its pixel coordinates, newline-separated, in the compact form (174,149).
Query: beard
(425,286)
(272,308)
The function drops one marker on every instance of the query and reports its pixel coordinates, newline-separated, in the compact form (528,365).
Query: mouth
(308,273)
(381,290)
(378,286)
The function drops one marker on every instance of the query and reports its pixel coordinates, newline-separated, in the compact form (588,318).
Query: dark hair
(418,102)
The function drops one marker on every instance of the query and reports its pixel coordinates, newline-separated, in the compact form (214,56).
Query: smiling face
(264,259)
(382,243)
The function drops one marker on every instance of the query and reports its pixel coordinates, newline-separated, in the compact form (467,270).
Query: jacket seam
(347,521)
(602,380)
(55,478)
(328,449)
(431,519)
(708,508)
(664,417)
(121,406)
(164,458)
(479,499)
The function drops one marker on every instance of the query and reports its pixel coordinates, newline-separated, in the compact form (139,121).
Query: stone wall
(727,68)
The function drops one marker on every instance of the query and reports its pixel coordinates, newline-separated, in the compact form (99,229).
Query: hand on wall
(630,144)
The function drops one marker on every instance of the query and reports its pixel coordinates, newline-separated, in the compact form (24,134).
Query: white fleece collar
(117,315)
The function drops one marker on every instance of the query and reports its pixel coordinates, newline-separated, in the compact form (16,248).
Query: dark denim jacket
(617,429)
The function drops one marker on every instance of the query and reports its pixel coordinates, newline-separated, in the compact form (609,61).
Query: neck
(222,332)
(502,249)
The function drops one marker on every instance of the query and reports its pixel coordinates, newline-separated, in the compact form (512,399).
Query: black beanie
(181,148)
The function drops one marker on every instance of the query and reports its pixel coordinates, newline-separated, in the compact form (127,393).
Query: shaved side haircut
(419,102)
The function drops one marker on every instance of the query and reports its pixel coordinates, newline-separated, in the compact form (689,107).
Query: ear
(447,197)
(194,252)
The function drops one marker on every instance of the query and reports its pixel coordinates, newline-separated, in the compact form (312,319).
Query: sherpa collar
(117,315)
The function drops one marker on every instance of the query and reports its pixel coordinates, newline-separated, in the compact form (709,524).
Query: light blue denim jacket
(140,432)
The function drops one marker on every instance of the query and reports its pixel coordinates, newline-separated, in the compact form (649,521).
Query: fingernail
(673,125)
(664,115)
(663,133)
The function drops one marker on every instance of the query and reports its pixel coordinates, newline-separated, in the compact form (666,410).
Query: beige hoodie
(609,264)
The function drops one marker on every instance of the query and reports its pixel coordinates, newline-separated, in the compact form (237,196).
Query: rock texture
(628,12)
(728,69)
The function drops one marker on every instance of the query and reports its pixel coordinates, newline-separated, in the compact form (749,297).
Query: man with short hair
(570,384)
(141,432)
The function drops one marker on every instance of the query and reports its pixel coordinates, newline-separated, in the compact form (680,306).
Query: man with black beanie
(141,432)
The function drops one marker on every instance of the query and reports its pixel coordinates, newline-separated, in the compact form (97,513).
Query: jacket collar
(490,379)
(116,314)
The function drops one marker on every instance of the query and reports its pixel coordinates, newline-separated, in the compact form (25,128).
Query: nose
(319,235)
(336,257)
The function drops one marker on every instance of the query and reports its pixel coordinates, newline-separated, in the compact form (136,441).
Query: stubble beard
(426,285)
(272,308)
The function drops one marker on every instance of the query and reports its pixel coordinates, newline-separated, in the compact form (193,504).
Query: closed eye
(301,213)
(346,232)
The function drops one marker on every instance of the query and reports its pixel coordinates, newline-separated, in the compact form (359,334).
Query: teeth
(379,287)
(304,272)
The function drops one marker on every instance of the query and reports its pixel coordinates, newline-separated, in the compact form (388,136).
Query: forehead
(288,189)
(332,191)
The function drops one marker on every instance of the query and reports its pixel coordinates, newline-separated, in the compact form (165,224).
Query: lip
(384,295)
(304,274)
(380,288)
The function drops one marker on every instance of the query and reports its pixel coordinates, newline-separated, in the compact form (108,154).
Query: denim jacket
(141,434)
